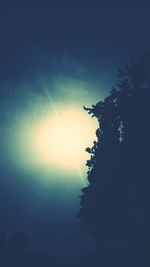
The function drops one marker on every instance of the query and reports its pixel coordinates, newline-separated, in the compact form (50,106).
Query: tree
(115,206)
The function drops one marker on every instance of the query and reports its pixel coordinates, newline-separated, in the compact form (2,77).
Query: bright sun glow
(53,142)
(61,140)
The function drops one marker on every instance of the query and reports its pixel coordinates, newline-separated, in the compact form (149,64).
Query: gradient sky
(70,52)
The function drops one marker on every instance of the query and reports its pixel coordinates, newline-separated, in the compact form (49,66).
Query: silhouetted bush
(115,206)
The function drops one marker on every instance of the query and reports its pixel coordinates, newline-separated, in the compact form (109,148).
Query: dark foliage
(115,206)
(15,252)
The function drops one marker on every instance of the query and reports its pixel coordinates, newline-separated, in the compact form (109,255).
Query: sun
(54,142)
(62,139)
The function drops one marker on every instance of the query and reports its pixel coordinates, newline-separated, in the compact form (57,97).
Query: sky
(56,57)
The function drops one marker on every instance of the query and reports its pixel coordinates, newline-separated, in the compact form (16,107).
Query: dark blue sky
(83,42)
(102,36)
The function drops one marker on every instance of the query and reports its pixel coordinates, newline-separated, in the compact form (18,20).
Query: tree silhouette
(115,206)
